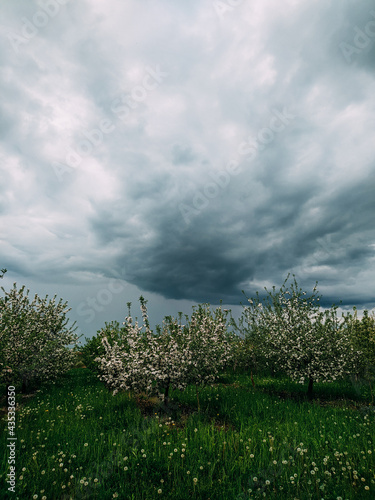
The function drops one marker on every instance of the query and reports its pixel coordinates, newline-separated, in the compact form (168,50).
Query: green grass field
(75,440)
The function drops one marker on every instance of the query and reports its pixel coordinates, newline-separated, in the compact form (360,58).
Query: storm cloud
(188,150)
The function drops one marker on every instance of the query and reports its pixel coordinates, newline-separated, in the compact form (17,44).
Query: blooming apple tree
(175,357)
(210,346)
(362,335)
(94,348)
(291,332)
(34,337)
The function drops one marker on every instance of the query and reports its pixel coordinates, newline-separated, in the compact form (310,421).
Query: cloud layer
(191,149)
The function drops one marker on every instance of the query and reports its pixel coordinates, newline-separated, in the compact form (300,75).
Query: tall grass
(76,440)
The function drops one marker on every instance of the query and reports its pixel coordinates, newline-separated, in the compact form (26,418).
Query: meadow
(75,440)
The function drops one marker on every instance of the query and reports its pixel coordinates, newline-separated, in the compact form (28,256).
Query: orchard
(286,332)
(190,410)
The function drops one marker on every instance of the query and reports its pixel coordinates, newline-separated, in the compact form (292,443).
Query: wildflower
(86,444)
(195,479)
(160,491)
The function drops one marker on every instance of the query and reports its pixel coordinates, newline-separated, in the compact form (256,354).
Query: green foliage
(243,356)
(362,335)
(2,272)
(94,347)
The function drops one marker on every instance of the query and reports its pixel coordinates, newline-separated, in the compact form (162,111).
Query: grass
(76,440)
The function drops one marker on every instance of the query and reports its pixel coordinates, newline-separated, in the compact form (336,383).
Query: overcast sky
(186,150)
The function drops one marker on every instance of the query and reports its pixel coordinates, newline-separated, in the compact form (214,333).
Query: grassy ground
(76,440)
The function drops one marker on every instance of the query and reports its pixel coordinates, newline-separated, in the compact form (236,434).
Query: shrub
(94,348)
(243,356)
(34,337)
(292,334)
(177,356)
(362,337)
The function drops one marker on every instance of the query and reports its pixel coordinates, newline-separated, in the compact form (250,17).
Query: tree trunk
(24,385)
(310,388)
(252,380)
(166,394)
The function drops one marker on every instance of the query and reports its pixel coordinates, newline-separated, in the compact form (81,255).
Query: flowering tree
(362,335)
(210,346)
(177,356)
(34,337)
(94,347)
(138,360)
(291,332)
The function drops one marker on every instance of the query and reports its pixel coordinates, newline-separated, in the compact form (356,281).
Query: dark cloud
(121,124)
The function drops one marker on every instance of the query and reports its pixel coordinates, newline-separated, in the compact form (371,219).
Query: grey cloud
(304,204)
(182,155)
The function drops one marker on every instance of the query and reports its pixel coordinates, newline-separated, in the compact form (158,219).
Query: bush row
(286,332)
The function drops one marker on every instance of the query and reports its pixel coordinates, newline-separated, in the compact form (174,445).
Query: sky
(186,150)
